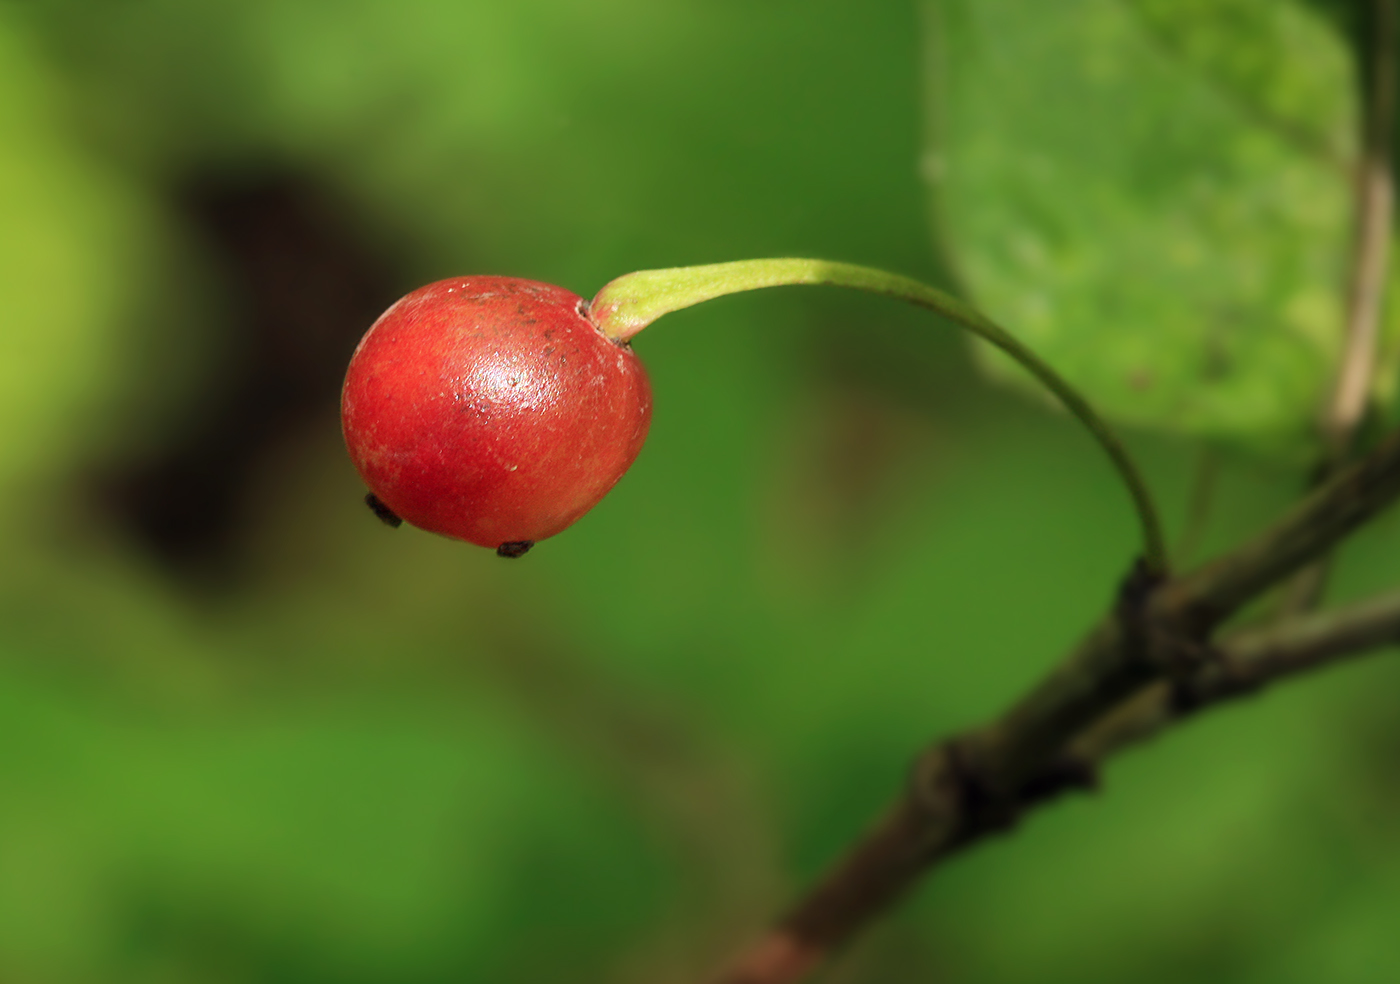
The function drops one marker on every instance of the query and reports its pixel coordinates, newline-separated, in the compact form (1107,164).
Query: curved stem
(631,302)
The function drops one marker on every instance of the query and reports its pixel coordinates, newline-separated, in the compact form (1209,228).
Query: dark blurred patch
(854,464)
(863,452)
(298,285)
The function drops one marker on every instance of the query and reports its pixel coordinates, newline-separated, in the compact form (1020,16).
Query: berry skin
(491,410)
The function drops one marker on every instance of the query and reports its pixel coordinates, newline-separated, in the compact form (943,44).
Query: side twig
(1366,279)
(1245,664)
(1375,197)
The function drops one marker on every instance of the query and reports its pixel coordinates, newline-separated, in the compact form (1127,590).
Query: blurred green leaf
(1154,195)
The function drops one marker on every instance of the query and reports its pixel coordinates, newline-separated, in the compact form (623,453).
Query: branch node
(1136,590)
(1133,612)
(936,785)
(1061,775)
(987,807)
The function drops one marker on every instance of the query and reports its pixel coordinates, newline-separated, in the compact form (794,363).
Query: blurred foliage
(1156,194)
(328,753)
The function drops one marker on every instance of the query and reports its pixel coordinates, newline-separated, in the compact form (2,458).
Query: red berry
(490,409)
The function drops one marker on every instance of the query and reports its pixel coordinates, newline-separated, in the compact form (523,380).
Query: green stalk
(634,300)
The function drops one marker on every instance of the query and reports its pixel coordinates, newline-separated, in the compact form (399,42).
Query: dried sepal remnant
(386,515)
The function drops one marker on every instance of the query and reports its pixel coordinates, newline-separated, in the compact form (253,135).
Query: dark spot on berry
(515,548)
(386,515)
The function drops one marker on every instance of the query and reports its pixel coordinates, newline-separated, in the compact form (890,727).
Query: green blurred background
(248,734)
